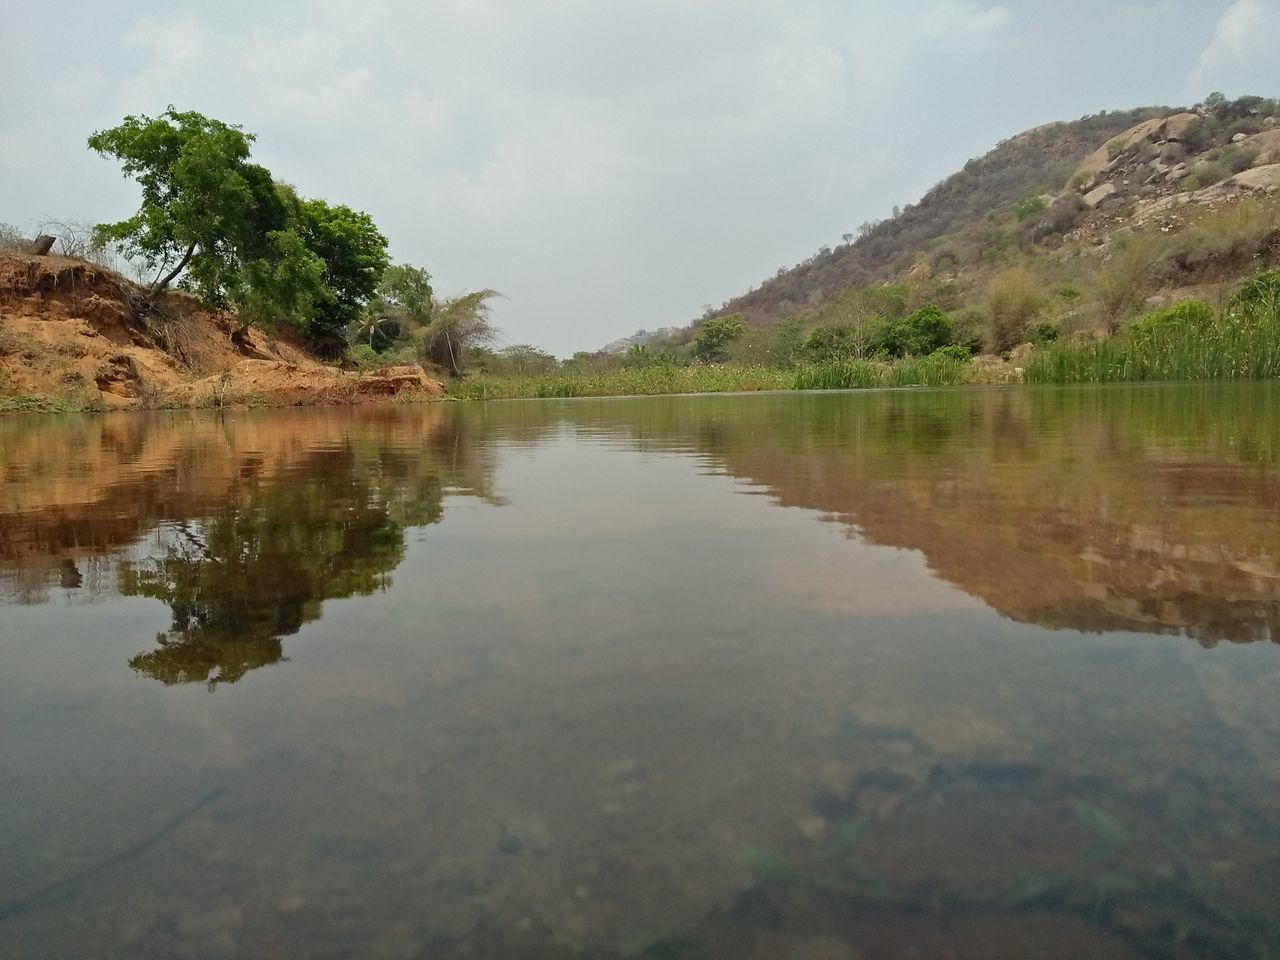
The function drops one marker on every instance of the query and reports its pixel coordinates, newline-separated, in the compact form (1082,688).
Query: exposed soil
(69,327)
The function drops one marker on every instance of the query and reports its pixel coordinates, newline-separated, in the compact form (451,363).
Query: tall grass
(726,378)
(636,381)
(862,374)
(1238,346)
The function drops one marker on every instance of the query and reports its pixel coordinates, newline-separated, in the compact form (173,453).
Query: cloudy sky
(606,164)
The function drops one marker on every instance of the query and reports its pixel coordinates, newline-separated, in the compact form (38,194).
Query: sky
(608,165)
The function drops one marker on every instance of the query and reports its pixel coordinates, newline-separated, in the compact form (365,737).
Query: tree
(354,254)
(714,336)
(207,211)
(457,326)
(405,290)
(925,330)
(216,223)
(524,359)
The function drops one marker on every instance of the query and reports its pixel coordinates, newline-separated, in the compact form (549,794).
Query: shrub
(1259,297)
(1014,299)
(1120,285)
(925,330)
(1043,332)
(1195,314)
(968,328)
(952,351)
(1238,159)
(364,357)
(1028,207)
(1206,173)
(1234,233)
(1173,152)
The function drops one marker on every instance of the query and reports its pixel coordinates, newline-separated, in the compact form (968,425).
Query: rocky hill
(1055,186)
(73,330)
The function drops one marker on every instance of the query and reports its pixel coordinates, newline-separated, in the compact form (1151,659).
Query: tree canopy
(218,224)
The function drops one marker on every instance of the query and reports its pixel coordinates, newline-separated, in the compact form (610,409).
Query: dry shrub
(1015,297)
(1120,286)
(1231,235)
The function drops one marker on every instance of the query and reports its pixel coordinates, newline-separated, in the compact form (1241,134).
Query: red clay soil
(69,327)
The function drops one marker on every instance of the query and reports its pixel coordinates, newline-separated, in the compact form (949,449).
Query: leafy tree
(354,254)
(925,330)
(215,222)
(405,292)
(457,326)
(714,336)
(206,209)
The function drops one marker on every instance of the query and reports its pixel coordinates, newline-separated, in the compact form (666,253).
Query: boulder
(1269,122)
(1179,126)
(1267,143)
(1239,138)
(1266,178)
(1096,197)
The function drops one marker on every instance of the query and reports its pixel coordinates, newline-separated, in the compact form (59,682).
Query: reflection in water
(1151,511)
(640,711)
(246,525)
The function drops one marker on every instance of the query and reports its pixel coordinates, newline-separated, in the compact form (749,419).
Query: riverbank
(75,336)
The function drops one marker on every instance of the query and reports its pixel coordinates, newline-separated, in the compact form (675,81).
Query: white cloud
(971,27)
(1240,58)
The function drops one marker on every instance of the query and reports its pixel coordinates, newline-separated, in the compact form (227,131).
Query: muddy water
(969,674)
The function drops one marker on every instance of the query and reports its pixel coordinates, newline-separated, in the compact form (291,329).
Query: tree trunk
(158,287)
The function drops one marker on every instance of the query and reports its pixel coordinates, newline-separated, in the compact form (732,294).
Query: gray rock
(1095,197)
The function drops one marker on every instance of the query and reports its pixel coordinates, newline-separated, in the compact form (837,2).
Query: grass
(635,381)
(723,378)
(1231,349)
(75,401)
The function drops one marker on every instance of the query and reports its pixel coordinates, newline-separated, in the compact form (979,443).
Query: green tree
(714,336)
(354,254)
(207,211)
(925,330)
(405,292)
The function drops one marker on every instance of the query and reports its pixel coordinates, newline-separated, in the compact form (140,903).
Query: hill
(1041,198)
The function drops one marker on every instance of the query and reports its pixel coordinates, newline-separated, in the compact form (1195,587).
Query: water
(967,674)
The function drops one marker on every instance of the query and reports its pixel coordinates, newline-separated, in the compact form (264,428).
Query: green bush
(925,330)
(1043,332)
(1194,314)
(952,351)
(1028,207)
(1206,173)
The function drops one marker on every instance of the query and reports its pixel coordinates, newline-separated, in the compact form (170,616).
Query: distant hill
(1038,161)
(1057,186)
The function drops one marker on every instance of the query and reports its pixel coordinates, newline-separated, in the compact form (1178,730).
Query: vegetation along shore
(1139,245)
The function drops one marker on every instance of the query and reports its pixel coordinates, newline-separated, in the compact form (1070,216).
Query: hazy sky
(607,165)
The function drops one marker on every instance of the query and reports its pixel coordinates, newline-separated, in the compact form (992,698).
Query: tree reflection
(259,566)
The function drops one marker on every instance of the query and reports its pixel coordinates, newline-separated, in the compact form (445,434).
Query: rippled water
(959,674)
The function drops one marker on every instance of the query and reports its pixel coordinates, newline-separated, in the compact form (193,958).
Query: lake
(973,673)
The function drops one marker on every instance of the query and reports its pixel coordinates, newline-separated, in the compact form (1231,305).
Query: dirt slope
(69,327)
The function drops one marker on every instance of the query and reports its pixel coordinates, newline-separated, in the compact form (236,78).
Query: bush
(1188,314)
(1014,299)
(364,357)
(1206,173)
(1120,286)
(714,336)
(1043,332)
(1230,235)
(925,330)
(968,328)
(1028,207)
(952,351)
(1259,297)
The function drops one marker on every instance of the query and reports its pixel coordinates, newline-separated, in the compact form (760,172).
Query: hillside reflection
(1152,509)
(242,526)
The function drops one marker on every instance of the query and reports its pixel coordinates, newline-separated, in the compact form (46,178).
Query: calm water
(959,674)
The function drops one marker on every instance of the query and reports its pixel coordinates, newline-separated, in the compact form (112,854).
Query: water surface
(970,673)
